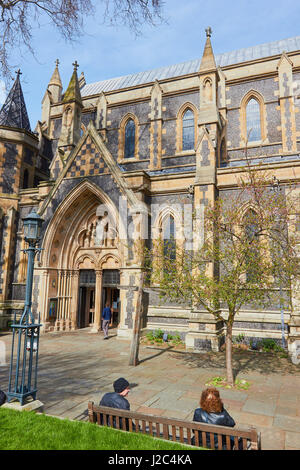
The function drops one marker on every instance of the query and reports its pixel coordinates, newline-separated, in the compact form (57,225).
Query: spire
(55,79)
(208,60)
(82,81)
(73,90)
(14,113)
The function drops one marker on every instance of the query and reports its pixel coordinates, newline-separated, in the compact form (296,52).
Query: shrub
(158,334)
(239,338)
(269,344)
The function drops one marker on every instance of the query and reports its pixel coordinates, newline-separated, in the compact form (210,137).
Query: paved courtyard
(79,366)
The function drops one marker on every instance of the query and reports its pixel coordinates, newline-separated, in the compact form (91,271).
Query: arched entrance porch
(77,260)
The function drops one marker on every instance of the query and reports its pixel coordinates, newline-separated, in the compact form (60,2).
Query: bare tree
(17,18)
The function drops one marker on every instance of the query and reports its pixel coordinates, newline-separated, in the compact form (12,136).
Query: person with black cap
(117,398)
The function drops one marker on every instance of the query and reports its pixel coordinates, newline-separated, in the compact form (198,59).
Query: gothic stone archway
(82,235)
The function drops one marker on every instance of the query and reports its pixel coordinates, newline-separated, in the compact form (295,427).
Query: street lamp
(276,188)
(25,342)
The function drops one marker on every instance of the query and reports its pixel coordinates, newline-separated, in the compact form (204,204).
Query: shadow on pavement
(243,361)
(161,351)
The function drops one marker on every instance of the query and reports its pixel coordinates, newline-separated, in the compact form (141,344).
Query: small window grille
(87,277)
(111,277)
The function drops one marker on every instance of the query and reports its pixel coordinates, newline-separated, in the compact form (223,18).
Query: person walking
(106,319)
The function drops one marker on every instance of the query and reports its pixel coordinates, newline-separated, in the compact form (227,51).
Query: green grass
(30,431)
(239,384)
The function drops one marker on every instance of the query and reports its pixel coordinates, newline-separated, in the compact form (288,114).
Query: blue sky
(105,52)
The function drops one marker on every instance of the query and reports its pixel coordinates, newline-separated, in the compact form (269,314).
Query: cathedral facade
(121,159)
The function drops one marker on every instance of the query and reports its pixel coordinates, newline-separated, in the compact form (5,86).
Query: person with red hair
(212,411)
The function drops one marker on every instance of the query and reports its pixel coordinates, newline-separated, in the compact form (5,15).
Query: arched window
(25,179)
(253,120)
(168,230)
(188,130)
(251,232)
(129,149)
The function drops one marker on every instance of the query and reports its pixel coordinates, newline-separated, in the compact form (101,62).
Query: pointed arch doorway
(74,260)
(86,298)
(110,293)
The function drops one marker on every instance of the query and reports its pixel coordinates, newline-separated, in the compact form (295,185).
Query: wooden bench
(176,430)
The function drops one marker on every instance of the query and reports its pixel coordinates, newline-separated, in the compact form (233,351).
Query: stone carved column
(43,306)
(98,300)
(74,299)
(59,301)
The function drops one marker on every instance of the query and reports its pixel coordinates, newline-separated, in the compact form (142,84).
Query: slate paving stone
(150,410)
(288,400)
(234,394)
(79,412)
(78,367)
(292,440)
(191,395)
(285,410)
(233,404)
(272,439)
(287,423)
(181,405)
(61,407)
(151,401)
(254,406)
(252,419)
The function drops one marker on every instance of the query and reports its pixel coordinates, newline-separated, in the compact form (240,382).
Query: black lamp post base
(29,405)
(21,397)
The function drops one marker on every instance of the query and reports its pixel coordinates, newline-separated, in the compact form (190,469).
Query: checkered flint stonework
(88,162)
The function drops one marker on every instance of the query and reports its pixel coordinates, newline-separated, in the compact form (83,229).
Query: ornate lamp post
(25,342)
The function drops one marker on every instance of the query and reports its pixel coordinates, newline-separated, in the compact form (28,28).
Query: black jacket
(115,400)
(219,419)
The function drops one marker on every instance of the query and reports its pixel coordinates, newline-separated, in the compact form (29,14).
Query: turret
(52,96)
(209,78)
(71,114)
(19,146)
(55,85)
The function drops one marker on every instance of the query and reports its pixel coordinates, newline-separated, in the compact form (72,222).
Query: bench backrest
(174,429)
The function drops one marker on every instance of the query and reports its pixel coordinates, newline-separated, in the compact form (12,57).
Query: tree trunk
(134,352)
(229,372)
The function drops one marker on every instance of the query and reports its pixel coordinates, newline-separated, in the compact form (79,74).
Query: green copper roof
(73,91)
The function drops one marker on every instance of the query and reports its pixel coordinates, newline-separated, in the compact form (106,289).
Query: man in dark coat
(106,319)
(117,399)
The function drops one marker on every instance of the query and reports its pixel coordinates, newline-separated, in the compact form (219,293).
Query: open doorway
(111,293)
(86,299)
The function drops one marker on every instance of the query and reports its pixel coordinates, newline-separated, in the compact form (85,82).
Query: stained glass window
(253,121)
(188,130)
(252,258)
(169,237)
(129,139)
